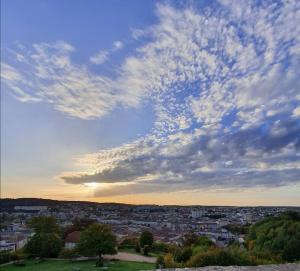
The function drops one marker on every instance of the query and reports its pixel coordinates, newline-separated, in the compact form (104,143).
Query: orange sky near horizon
(283,196)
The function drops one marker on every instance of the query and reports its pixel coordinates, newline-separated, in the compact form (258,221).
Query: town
(222,225)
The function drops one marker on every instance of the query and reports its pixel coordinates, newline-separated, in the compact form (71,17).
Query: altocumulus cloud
(224,83)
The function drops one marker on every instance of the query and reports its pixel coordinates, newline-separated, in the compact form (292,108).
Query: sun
(92,184)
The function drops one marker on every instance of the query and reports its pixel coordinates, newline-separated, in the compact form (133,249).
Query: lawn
(65,265)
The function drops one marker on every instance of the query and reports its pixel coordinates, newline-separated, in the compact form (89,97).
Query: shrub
(160,247)
(146,250)
(160,262)
(67,253)
(14,256)
(137,248)
(129,243)
(222,257)
(4,257)
(182,255)
(169,262)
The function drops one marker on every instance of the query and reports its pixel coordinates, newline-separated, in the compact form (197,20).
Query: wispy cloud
(100,58)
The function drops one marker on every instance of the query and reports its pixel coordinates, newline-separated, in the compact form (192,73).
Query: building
(72,239)
(31,208)
(196,213)
(7,246)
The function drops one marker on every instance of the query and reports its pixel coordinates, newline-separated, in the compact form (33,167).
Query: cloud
(47,74)
(188,161)
(223,81)
(103,56)
(99,58)
(118,45)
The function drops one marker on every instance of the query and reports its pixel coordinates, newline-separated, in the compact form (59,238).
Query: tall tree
(46,241)
(97,240)
(44,224)
(146,239)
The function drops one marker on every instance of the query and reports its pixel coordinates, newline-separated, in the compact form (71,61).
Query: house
(72,239)
(7,246)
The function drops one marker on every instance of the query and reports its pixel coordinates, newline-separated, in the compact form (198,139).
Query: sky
(155,102)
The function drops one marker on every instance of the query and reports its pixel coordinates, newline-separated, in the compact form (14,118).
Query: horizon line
(147,204)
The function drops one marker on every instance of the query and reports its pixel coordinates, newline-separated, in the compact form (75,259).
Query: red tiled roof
(73,237)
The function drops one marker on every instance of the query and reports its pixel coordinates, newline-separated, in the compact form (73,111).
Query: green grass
(65,265)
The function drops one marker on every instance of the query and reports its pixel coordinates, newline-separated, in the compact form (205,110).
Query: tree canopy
(97,240)
(146,239)
(279,236)
(44,245)
(46,241)
(44,224)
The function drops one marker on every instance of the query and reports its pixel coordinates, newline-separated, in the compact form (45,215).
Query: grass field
(65,265)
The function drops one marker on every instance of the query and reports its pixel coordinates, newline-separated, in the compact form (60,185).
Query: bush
(146,250)
(204,241)
(160,247)
(189,239)
(129,243)
(137,248)
(169,262)
(67,253)
(160,262)
(4,257)
(182,255)
(224,257)
(14,256)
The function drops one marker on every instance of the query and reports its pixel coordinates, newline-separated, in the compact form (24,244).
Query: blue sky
(151,101)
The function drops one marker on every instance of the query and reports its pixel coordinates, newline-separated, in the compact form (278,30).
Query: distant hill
(9,204)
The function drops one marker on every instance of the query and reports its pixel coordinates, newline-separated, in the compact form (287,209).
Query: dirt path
(124,256)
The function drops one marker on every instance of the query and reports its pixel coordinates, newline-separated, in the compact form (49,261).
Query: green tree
(44,245)
(276,236)
(146,239)
(46,241)
(182,255)
(189,239)
(44,224)
(97,240)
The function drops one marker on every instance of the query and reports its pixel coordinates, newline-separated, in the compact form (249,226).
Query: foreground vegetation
(272,240)
(64,265)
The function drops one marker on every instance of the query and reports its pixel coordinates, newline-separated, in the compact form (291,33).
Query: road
(125,256)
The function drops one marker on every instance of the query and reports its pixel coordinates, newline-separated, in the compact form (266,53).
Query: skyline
(188,102)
